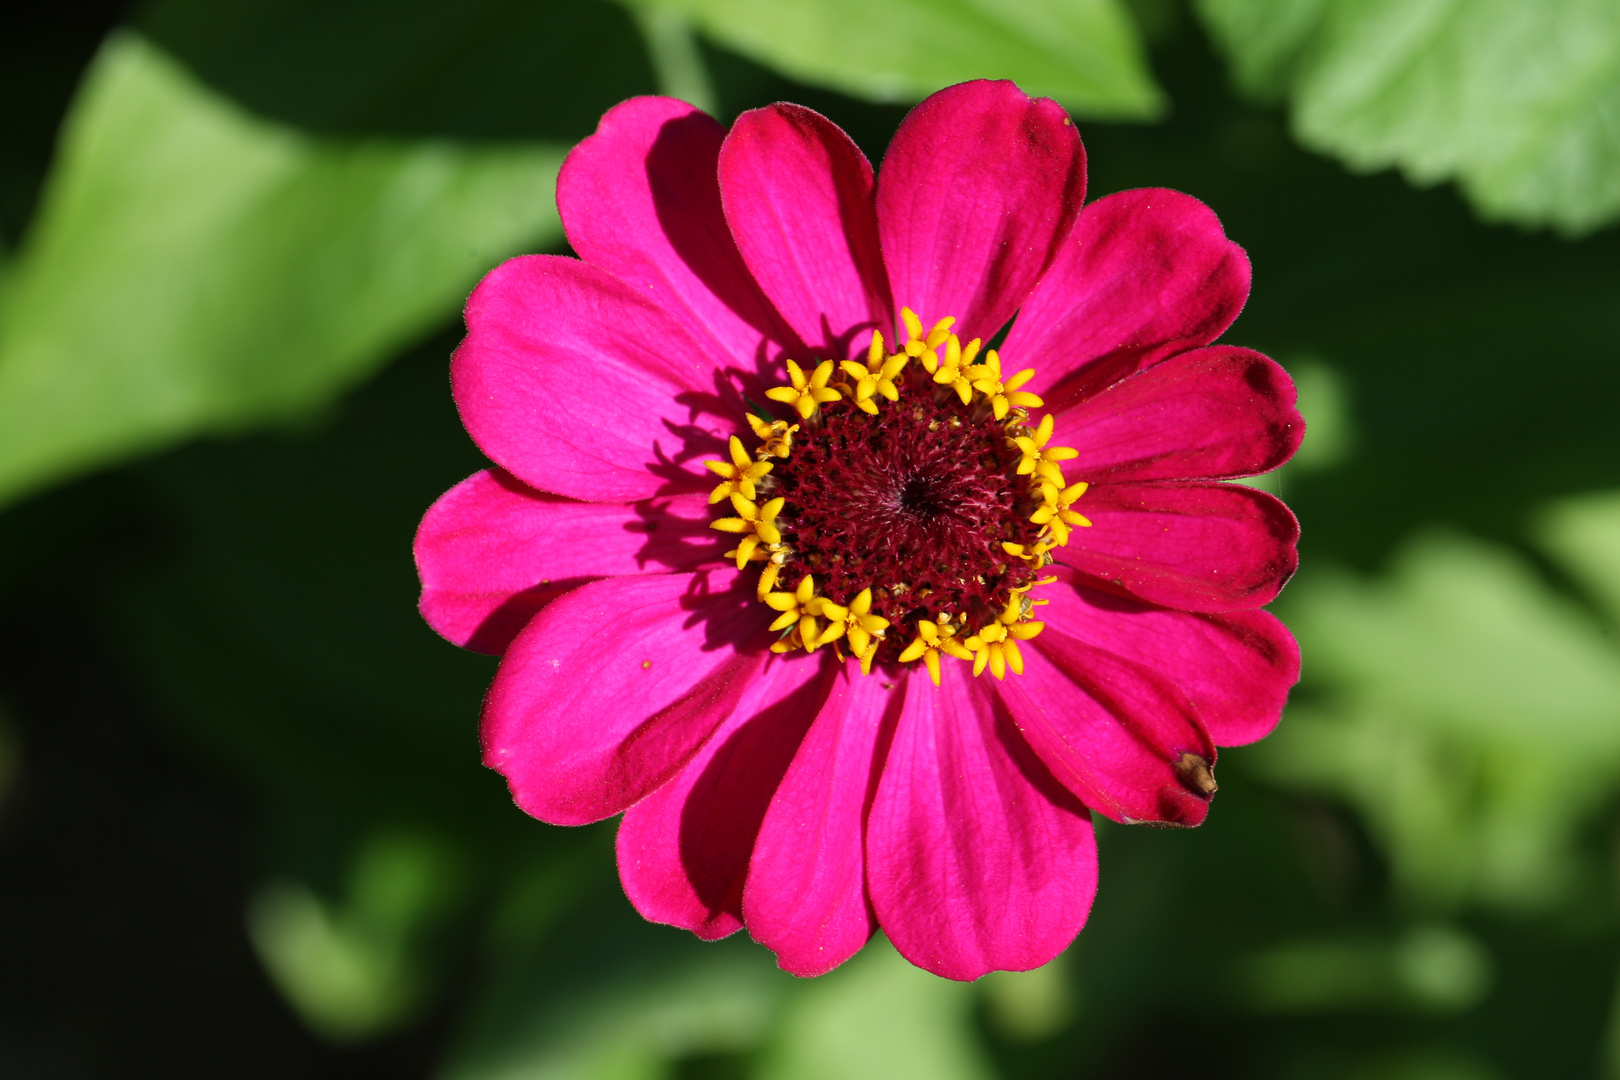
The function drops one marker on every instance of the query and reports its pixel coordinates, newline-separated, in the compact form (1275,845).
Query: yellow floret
(1040,459)
(738,475)
(808,392)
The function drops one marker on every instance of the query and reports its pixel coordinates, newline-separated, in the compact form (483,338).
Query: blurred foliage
(874,1018)
(1474,722)
(246,831)
(355,970)
(236,273)
(1517,101)
(1084,53)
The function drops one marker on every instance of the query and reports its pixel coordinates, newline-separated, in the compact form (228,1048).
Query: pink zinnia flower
(819,692)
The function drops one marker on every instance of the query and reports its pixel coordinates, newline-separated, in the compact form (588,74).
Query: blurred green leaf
(1084,53)
(355,970)
(194,269)
(1330,437)
(1584,534)
(1473,720)
(677,57)
(1518,102)
(579,987)
(636,1026)
(877,1018)
(1028,1006)
(1433,968)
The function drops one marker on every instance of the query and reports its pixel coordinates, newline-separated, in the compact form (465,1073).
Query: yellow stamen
(867,657)
(1041,459)
(922,345)
(957,369)
(836,615)
(757,522)
(1037,553)
(996,645)
(777,435)
(865,630)
(931,640)
(768,576)
(876,376)
(1055,514)
(808,393)
(798,610)
(1003,396)
(788,643)
(738,475)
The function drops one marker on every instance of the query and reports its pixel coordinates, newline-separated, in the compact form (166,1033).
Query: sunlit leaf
(1518,102)
(1584,534)
(194,269)
(1084,53)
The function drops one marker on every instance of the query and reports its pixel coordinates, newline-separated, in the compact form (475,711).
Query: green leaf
(877,1018)
(1470,720)
(1583,533)
(194,269)
(578,986)
(355,970)
(1518,102)
(1084,53)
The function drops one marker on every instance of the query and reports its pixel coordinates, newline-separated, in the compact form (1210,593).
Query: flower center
(909,511)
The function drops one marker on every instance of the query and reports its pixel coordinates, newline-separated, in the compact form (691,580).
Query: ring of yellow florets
(977,491)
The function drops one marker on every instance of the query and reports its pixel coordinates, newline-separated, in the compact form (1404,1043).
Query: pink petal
(976,860)
(612,688)
(641,199)
(1198,547)
(798,198)
(1210,414)
(1235,668)
(806,893)
(684,849)
(493,551)
(1119,735)
(977,192)
(1144,275)
(579,385)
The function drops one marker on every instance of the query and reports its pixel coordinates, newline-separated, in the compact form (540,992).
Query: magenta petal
(1198,547)
(976,860)
(806,893)
(580,385)
(1235,668)
(1144,275)
(641,199)
(798,198)
(612,688)
(684,849)
(1119,735)
(1210,414)
(492,551)
(977,192)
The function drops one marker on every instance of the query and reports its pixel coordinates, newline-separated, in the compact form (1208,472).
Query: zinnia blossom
(945,601)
